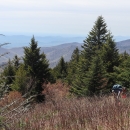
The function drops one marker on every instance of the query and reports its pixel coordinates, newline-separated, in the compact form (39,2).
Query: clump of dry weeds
(62,112)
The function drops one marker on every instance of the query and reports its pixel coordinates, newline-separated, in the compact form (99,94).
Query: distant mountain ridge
(46,41)
(54,53)
(124,46)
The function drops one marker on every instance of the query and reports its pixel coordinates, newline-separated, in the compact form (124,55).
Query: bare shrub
(56,91)
(76,114)
(63,113)
(10,98)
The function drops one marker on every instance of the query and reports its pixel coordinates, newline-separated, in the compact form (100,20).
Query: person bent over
(117,90)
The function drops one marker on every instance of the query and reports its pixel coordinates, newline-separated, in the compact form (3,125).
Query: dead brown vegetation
(63,112)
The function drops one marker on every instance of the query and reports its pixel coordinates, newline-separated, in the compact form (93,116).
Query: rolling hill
(54,53)
(124,46)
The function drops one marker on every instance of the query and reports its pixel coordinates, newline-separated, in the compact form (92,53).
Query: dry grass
(62,112)
(11,97)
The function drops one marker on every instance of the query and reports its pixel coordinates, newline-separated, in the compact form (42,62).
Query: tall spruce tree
(37,67)
(96,38)
(91,48)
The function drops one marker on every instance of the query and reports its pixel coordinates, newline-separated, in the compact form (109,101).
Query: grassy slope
(62,112)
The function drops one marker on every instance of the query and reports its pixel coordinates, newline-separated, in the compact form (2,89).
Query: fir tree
(61,69)
(72,65)
(37,66)
(110,57)
(96,77)
(110,54)
(96,38)
(21,80)
(16,62)
(121,73)
(92,81)
(84,81)
(9,73)
(75,55)
(78,86)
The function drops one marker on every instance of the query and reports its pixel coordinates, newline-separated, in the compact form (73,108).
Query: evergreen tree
(9,73)
(122,72)
(84,81)
(110,54)
(123,56)
(92,81)
(37,67)
(72,65)
(61,69)
(21,80)
(79,87)
(96,77)
(75,55)
(110,57)
(16,62)
(96,38)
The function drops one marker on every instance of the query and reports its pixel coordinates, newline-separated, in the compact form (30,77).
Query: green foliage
(96,76)
(60,71)
(110,54)
(72,65)
(75,55)
(36,65)
(95,68)
(122,72)
(16,62)
(9,73)
(110,58)
(96,38)
(89,72)
(21,80)
(79,87)
(98,66)
(124,56)
(91,81)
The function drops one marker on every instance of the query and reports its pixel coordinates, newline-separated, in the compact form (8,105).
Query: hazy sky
(58,17)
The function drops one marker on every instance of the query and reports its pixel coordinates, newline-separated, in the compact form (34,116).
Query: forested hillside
(54,53)
(32,91)
(98,66)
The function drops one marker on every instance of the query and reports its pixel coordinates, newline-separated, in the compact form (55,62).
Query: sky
(63,17)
